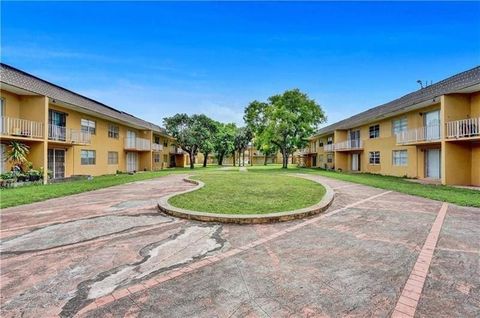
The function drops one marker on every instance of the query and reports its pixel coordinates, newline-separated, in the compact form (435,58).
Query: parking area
(110,253)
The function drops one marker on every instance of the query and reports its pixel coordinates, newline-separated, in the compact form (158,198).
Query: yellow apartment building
(69,134)
(432,134)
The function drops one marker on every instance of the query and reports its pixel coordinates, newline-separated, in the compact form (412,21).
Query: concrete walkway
(109,253)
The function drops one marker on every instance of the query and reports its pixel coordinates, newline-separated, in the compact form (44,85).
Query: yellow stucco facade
(410,143)
(110,145)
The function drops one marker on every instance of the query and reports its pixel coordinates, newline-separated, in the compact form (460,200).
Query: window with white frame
(156,157)
(113,131)
(374,131)
(87,157)
(165,143)
(320,158)
(330,140)
(399,125)
(374,157)
(88,126)
(399,157)
(329,158)
(113,158)
(320,143)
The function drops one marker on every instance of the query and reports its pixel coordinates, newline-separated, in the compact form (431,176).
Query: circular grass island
(247,197)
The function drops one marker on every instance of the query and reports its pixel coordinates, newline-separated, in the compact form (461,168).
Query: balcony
(157,147)
(64,134)
(328,148)
(306,151)
(176,151)
(424,134)
(139,144)
(347,145)
(21,128)
(465,128)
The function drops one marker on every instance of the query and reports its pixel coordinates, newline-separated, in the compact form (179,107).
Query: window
(88,126)
(330,140)
(400,157)
(156,157)
(113,131)
(113,158)
(156,140)
(329,158)
(374,157)
(320,143)
(165,143)
(87,157)
(374,131)
(320,158)
(165,158)
(399,125)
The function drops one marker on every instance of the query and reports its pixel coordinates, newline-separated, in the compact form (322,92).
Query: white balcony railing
(60,133)
(421,134)
(21,128)
(328,147)
(463,128)
(175,150)
(157,147)
(351,144)
(137,144)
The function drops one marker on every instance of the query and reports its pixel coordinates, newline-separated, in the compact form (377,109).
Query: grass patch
(232,192)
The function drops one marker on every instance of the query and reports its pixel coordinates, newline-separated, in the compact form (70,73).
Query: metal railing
(21,127)
(175,150)
(61,133)
(137,143)
(351,144)
(463,128)
(157,147)
(421,134)
(329,147)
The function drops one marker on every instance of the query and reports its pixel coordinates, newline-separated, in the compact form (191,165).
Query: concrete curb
(320,207)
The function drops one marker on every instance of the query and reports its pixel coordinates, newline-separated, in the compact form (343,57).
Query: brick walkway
(373,253)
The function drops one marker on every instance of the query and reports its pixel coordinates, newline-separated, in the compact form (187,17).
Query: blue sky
(155,59)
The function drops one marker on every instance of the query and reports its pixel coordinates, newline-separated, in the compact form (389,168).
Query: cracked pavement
(62,255)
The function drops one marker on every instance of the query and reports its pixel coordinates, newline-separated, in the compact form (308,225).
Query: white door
(56,163)
(355,161)
(132,162)
(432,125)
(432,163)
(131,139)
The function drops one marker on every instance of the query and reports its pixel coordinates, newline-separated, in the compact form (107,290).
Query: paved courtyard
(110,253)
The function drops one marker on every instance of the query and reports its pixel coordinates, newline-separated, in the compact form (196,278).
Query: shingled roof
(15,77)
(452,84)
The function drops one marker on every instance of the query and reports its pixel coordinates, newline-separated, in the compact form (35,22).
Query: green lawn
(233,192)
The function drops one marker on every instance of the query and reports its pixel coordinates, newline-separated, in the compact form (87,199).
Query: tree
(224,141)
(17,153)
(267,148)
(188,131)
(210,129)
(243,137)
(285,120)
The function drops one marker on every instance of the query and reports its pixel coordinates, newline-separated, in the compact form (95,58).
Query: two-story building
(432,133)
(69,134)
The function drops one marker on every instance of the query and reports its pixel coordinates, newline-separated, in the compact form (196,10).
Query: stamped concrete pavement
(109,253)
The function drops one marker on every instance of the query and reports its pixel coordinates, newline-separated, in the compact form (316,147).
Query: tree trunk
(220,159)
(205,157)
(265,162)
(234,152)
(285,159)
(243,163)
(191,160)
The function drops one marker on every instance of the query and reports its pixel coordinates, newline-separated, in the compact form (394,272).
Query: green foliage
(17,152)
(286,120)
(224,140)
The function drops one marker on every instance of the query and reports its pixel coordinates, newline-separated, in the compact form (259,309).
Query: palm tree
(17,153)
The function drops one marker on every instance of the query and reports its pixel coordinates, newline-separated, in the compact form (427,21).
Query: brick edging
(408,301)
(320,207)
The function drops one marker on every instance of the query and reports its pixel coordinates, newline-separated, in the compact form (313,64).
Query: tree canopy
(285,120)
(224,141)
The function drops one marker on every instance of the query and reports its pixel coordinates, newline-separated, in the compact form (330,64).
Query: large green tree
(224,141)
(210,128)
(243,137)
(189,132)
(285,120)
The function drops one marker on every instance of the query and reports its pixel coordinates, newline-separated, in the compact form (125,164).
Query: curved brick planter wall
(321,206)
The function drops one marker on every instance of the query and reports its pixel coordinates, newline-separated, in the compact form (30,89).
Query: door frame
(439,163)
(358,161)
(135,155)
(53,163)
